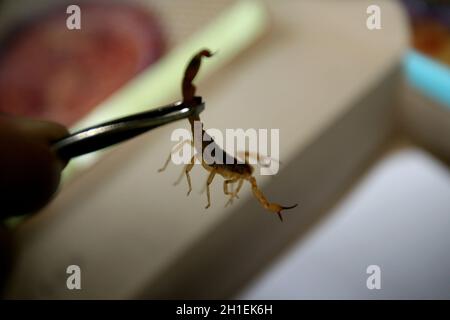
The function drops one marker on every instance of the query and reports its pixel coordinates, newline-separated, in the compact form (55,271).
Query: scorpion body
(232,171)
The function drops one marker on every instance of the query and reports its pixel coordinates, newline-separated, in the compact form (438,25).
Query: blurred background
(364,119)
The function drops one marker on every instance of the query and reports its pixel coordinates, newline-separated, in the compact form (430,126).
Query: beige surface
(320,76)
(426,121)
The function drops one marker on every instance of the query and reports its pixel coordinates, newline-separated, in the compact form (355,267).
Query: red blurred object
(430,37)
(48,71)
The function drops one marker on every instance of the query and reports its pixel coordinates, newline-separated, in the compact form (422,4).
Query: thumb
(29,170)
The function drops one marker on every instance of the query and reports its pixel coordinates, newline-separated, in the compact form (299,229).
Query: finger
(29,170)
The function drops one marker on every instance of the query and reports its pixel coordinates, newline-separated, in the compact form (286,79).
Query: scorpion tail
(285,208)
(273,207)
(188,89)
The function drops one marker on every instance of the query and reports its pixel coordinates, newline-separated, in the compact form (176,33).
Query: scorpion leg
(210,179)
(225,186)
(227,192)
(186,171)
(241,182)
(235,193)
(175,149)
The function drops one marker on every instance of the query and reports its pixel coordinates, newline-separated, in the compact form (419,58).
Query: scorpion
(232,171)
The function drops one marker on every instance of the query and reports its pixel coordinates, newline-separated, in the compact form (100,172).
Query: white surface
(398,217)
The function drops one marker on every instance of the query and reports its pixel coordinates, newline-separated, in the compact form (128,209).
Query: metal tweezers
(109,133)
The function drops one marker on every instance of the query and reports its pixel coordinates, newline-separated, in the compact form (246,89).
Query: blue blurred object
(429,76)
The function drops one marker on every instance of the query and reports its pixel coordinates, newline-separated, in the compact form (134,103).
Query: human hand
(29,170)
